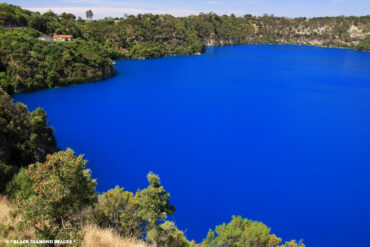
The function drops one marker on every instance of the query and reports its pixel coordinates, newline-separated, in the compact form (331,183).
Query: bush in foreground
(62,187)
(119,209)
(245,233)
(167,235)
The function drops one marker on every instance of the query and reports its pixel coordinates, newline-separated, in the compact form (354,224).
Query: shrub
(242,233)
(61,188)
(167,235)
(119,209)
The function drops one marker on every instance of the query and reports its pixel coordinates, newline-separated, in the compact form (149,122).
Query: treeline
(28,64)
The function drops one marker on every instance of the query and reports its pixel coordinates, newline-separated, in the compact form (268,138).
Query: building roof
(62,36)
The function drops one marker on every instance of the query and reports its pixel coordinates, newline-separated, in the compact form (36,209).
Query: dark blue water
(274,133)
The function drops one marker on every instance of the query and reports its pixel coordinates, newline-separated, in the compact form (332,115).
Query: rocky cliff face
(327,31)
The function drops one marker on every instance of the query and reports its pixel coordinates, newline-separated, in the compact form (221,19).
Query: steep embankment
(351,32)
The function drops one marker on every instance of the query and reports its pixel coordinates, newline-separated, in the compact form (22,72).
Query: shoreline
(194,54)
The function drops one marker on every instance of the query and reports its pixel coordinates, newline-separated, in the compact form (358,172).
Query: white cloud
(101,12)
(110,11)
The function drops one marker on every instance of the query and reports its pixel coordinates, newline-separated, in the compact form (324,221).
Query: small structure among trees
(45,38)
(89,14)
(62,37)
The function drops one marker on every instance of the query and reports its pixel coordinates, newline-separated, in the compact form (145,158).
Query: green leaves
(154,201)
(13,15)
(119,209)
(62,187)
(134,215)
(25,137)
(245,233)
(31,64)
(167,235)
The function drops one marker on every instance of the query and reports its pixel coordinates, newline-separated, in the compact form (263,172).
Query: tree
(119,209)
(294,243)
(67,17)
(62,187)
(167,235)
(24,137)
(38,22)
(89,14)
(242,233)
(154,202)
(20,186)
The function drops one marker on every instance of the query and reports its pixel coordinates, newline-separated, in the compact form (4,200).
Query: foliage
(61,188)
(243,233)
(20,186)
(30,64)
(134,215)
(293,243)
(144,36)
(24,137)
(364,45)
(119,209)
(11,15)
(154,202)
(167,235)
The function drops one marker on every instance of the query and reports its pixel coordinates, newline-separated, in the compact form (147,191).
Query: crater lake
(274,133)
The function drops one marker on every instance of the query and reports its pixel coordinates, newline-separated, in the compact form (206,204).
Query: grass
(4,211)
(94,236)
(97,237)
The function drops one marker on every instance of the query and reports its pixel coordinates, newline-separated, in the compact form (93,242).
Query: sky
(117,8)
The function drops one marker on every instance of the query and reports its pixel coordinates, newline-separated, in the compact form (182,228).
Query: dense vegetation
(28,64)
(11,15)
(25,137)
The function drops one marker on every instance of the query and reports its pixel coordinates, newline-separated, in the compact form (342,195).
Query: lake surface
(275,133)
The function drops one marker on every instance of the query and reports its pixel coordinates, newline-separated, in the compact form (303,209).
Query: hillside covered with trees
(28,64)
(25,137)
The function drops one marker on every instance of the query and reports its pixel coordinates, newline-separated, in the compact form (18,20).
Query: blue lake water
(275,133)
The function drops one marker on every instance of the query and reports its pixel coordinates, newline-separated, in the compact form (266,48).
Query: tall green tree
(154,202)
